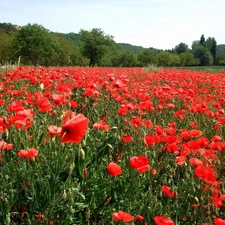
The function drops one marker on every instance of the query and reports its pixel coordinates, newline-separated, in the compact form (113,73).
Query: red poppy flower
(173,148)
(219,221)
(15,106)
(32,152)
(150,140)
(5,146)
(180,160)
(74,130)
(216,138)
(101,125)
(203,142)
(166,190)
(54,130)
(161,220)
(126,138)
(144,168)
(193,124)
(73,104)
(196,162)
(138,161)
(69,114)
(195,133)
(193,145)
(207,174)
(113,169)
(44,105)
(57,98)
(122,216)
(138,217)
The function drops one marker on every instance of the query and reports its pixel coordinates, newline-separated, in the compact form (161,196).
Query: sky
(159,24)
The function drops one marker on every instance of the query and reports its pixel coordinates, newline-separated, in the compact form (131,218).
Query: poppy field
(112,146)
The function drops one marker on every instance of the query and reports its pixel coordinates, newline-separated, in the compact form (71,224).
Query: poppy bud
(64,195)
(42,86)
(82,153)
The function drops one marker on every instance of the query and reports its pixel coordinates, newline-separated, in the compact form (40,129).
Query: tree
(175,60)
(128,59)
(203,55)
(147,57)
(165,59)
(95,43)
(213,49)
(181,48)
(202,40)
(207,59)
(195,44)
(34,44)
(187,59)
(6,49)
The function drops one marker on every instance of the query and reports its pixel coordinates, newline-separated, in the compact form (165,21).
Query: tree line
(35,45)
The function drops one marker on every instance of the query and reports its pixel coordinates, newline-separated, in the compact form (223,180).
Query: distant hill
(129,47)
(121,46)
(8,27)
(74,37)
(221,49)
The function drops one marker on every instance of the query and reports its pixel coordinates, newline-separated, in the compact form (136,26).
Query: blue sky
(149,23)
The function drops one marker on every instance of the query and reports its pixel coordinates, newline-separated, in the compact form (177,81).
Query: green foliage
(74,37)
(94,44)
(38,46)
(203,55)
(8,27)
(165,59)
(129,47)
(34,44)
(202,40)
(69,53)
(187,59)
(148,57)
(6,43)
(220,49)
(181,48)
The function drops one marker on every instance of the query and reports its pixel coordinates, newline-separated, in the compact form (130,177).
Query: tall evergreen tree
(213,49)
(202,40)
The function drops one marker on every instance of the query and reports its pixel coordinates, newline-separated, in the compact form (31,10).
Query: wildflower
(138,217)
(113,169)
(126,138)
(166,190)
(140,163)
(219,221)
(207,174)
(57,98)
(101,125)
(180,160)
(122,216)
(31,153)
(161,220)
(196,162)
(195,133)
(54,130)
(5,146)
(74,129)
